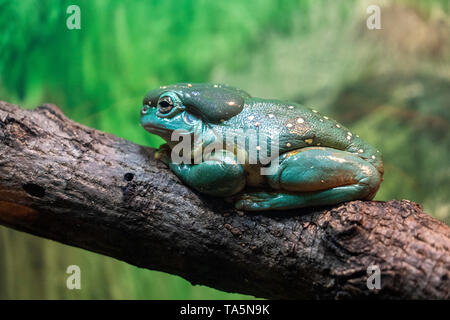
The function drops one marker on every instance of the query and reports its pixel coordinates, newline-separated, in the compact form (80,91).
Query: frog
(320,162)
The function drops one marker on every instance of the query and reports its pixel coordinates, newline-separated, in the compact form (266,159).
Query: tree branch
(82,187)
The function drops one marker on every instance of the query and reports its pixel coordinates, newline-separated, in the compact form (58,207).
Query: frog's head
(186,106)
(166,114)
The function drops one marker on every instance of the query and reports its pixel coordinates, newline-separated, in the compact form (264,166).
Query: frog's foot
(257,201)
(163,153)
(261,201)
(315,177)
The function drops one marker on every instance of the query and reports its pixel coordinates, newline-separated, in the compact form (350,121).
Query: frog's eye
(165,104)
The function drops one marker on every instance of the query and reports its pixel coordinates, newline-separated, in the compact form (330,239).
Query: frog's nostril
(144,109)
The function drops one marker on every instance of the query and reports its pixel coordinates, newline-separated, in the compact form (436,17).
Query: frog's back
(298,126)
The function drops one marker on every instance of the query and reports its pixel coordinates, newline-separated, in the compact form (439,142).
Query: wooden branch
(82,187)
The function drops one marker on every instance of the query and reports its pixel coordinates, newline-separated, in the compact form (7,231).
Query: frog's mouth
(160,131)
(166,133)
(155,129)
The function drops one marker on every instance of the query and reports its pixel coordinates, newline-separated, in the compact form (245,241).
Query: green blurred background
(392,86)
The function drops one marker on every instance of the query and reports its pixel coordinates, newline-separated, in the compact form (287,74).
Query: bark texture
(82,187)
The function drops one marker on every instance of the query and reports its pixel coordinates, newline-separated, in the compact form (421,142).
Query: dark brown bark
(79,186)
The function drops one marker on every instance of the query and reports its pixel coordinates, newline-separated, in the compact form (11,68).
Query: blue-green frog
(318,160)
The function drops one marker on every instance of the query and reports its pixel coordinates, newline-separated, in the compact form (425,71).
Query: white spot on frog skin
(378,151)
(291,107)
(300,120)
(349,138)
(360,150)
(357,136)
(318,144)
(288,145)
(338,126)
(215,86)
(258,148)
(308,141)
(189,85)
(271,115)
(315,111)
(321,120)
(257,124)
(349,133)
(230,103)
(373,157)
(289,125)
(251,118)
(337,159)
(326,118)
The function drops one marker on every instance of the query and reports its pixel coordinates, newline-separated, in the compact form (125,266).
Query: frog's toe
(163,154)
(254,201)
(162,157)
(249,205)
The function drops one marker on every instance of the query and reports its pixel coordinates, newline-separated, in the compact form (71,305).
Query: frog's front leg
(315,176)
(219,175)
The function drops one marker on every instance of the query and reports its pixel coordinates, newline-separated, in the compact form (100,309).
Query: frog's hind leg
(315,176)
